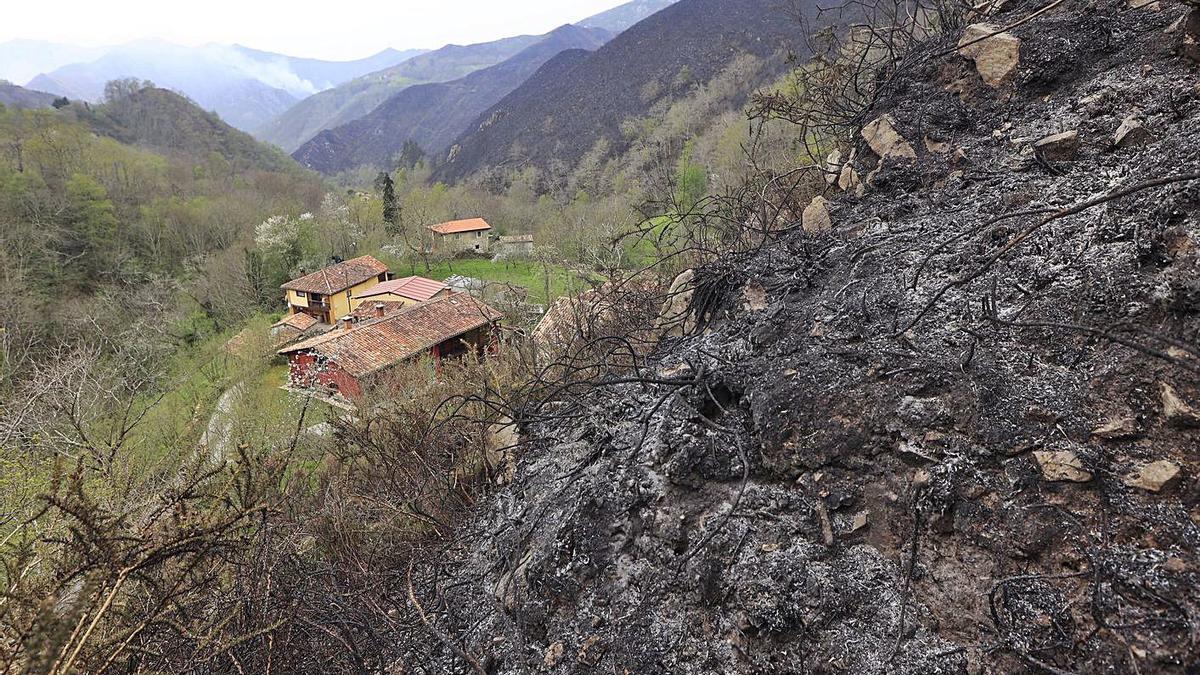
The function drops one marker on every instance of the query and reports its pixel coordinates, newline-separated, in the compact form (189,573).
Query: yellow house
(332,293)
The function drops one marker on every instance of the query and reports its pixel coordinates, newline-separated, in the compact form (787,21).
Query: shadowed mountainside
(356,98)
(19,97)
(575,100)
(433,115)
(171,124)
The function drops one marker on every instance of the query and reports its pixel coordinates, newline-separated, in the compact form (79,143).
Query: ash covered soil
(900,445)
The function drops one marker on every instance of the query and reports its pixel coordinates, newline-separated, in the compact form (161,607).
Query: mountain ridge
(433,115)
(565,108)
(169,123)
(16,96)
(358,97)
(624,16)
(247,87)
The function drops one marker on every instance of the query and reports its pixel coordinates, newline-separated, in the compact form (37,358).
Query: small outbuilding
(405,292)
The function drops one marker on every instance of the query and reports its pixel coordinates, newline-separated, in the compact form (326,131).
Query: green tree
(691,181)
(92,227)
(386,188)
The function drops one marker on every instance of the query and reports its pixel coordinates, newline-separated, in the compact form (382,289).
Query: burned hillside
(947,422)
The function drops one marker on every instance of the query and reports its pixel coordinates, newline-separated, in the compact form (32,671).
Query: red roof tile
(300,322)
(376,344)
(456,226)
(366,311)
(339,277)
(413,288)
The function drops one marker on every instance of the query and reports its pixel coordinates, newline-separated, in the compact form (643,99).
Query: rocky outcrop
(1132,133)
(816,216)
(1154,476)
(1061,147)
(884,140)
(996,54)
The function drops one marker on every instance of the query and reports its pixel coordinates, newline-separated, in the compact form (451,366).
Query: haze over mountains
(361,95)
(288,100)
(433,115)
(246,87)
(358,98)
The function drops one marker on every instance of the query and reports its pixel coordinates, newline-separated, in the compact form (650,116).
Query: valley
(666,336)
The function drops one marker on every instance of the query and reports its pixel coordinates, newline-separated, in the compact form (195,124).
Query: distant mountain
(246,87)
(621,18)
(360,96)
(19,97)
(433,115)
(170,124)
(578,98)
(315,75)
(22,60)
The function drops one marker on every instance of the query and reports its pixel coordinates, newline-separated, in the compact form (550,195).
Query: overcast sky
(337,29)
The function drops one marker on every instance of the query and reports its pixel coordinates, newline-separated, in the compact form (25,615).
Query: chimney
(347,322)
(379,309)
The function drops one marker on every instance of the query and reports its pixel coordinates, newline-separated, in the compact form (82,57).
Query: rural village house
(334,292)
(461,235)
(346,359)
(514,246)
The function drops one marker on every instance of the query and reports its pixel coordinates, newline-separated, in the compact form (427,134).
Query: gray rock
(1154,477)
(1061,147)
(1062,466)
(1132,133)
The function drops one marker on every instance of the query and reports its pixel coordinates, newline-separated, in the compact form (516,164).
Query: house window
(301,294)
(479,234)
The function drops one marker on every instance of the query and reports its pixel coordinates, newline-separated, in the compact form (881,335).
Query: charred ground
(916,442)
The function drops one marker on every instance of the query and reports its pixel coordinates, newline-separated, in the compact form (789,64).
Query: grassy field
(524,273)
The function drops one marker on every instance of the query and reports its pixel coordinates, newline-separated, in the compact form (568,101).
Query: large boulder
(1191,36)
(1132,133)
(816,216)
(1062,466)
(1058,147)
(996,54)
(885,141)
(676,318)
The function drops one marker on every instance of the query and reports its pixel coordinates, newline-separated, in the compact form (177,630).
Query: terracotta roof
(376,344)
(413,288)
(300,322)
(338,277)
(366,311)
(456,226)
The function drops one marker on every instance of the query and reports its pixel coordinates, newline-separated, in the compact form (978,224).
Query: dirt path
(216,438)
